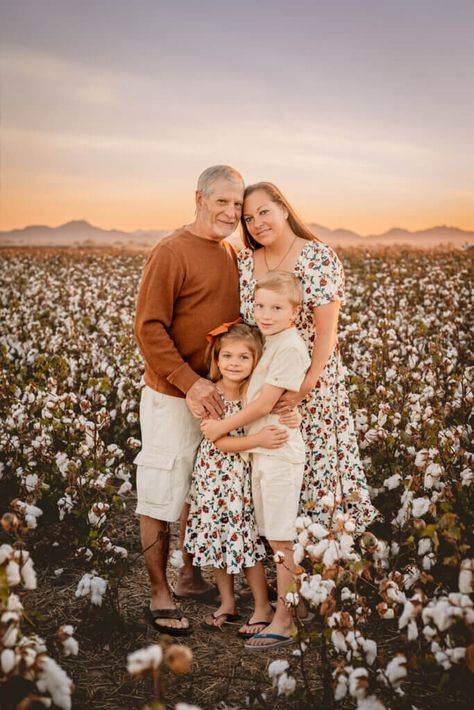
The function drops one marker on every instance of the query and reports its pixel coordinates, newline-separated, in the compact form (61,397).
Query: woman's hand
(291,419)
(212,429)
(272,437)
(290,400)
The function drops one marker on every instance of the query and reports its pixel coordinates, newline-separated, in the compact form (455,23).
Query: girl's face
(265,220)
(235,360)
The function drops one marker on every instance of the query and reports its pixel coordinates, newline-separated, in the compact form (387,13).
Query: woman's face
(265,220)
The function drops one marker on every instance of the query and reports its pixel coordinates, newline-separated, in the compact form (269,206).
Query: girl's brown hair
(250,336)
(296,224)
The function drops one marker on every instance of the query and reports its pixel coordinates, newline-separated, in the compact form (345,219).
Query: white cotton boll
(303,537)
(70,646)
(302,522)
(339,641)
(279,557)
(467,477)
(318,531)
(396,669)
(422,457)
(393,481)
(125,488)
(370,650)
(55,681)
(7,660)
(286,684)
(14,603)
(327,501)
(346,594)
(12,571)
(5,552)
(420,507)
(340,691)
(298,553)
(409,612)
(358,682)
(331,554)
(424,546)
(276,668)
(98,589)
(465,581)
(58,572)
(144,659)
(10,636)
(31,481)
(429,633)
(412,631)
(292,598)
(28,574)
(394,548)
(84,586)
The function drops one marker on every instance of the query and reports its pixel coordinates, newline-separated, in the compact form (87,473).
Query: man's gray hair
(207,179)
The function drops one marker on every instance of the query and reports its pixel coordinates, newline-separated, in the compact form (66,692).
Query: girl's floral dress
(221,530)
(332,455)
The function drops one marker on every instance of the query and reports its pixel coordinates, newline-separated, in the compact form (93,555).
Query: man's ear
(198,198)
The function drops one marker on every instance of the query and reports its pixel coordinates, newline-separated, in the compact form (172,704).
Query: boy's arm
(269,395)
(270,437)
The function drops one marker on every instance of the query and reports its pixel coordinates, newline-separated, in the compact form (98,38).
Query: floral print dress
(332,455)
(221,530)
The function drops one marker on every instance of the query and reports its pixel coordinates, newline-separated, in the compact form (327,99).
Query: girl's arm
(325,326)
(269,395)
(270,437)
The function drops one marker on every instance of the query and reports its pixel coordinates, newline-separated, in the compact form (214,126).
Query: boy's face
(273,312)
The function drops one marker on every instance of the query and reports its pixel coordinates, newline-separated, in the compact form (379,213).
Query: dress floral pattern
(221,530)
(332,455)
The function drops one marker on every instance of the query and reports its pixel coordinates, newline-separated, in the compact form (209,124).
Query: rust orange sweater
(189,286)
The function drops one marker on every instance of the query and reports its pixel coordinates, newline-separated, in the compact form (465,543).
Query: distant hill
(81,233)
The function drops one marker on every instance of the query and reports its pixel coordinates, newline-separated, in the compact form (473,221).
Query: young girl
(221,530)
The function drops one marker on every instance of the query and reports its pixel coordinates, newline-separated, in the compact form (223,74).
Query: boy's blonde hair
(239,331)
(282,282)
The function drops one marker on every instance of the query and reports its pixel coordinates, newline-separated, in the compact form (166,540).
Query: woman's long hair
(296,224)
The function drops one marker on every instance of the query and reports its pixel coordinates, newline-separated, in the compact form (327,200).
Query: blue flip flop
(279,641)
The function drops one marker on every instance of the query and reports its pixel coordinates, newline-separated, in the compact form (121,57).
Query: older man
(189,286)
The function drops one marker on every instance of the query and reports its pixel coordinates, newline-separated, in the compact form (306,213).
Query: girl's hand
(272,437)
(212,429)
(291,419)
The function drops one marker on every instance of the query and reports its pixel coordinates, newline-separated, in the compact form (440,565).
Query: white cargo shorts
(170,438)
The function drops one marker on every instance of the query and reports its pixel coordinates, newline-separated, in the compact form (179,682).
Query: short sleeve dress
(332,455)
(221,531)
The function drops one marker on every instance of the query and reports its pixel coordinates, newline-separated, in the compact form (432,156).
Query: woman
(277,239)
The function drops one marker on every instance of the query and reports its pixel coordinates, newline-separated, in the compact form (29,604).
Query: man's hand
(212,429)
(291,419)
(204,400)
(272,437)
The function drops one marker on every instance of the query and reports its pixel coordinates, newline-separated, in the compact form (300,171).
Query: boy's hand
(272,437)
(291,419)
(212,429)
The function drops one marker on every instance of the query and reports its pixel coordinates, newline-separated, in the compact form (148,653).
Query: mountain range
(80,233)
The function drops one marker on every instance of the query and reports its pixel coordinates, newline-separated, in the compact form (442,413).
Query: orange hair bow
(223,328)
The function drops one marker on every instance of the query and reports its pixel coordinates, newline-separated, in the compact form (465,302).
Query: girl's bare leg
(257,582)
(225,585)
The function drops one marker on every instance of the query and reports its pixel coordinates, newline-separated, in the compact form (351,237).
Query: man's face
(218,213)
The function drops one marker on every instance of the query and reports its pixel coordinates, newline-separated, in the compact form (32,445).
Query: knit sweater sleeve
(160,286)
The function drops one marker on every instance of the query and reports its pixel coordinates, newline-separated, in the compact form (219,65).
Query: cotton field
(69,433)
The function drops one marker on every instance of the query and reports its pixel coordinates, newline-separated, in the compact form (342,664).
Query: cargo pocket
(154,476)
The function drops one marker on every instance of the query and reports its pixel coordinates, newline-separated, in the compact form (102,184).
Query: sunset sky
(362,112)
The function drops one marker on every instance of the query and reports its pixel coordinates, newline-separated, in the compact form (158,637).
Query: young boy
(277,474)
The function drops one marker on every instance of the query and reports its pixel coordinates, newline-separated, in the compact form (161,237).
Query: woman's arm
(325,325)
(269,395)
(270,437)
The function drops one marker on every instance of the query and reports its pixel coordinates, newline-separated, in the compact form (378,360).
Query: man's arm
(160,287)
